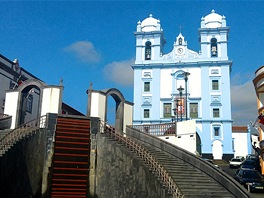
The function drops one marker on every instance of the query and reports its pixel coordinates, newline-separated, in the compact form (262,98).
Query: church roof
(213,20)
(150,24)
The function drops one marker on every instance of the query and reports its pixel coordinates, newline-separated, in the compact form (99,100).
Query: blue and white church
(184,84)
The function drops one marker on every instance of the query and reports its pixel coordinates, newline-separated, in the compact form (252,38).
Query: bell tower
(149,40)
(213,36)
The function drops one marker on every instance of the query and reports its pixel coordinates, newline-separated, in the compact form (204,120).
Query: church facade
(184,84)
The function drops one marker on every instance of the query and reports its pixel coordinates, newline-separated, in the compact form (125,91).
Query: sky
(93,41)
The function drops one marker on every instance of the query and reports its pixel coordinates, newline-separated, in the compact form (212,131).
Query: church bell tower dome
(150,24)
(214,20)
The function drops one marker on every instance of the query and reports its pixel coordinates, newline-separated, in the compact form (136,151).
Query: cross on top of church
(180,27)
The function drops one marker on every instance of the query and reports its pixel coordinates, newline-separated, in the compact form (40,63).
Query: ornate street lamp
(180,89)
(175,111)
(186,74)
(177,107)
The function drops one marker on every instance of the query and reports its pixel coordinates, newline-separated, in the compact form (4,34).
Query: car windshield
(251,174)
(236,160)
(249,164)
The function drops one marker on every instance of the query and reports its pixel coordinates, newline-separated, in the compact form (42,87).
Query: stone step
(205,189)
(3,133)
(179,170)
(216,194)
(211,196)
(191,181)
(207,192)
(176,165)
(187,175)
(198,185)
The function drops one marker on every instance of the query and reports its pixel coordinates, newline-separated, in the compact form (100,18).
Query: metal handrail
(161,172)
(21,132)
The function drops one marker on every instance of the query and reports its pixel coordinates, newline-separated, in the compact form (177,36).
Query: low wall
(21,168)
(24,167)
(119,173)
(224,179)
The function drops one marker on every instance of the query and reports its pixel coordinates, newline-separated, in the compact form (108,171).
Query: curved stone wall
(119,173)
(21,168)
(218,175)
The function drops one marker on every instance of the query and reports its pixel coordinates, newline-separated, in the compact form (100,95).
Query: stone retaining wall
(21,168)
(24,169)
(120,174)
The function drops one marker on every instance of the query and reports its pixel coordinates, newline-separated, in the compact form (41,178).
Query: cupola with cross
(180,45)
(213,36)
(150,40)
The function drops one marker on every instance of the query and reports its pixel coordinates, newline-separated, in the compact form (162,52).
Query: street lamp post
(175,111)
(180,89)
(186,74)
(177,104)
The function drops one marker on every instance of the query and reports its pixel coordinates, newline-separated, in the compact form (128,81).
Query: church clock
(180,51)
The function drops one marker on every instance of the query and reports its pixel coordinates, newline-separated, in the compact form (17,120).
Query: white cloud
(120,72)
(84,51)
(244,103)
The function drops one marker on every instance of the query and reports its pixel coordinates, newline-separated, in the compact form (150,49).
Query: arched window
(180,41)
(213,47)
(148,50)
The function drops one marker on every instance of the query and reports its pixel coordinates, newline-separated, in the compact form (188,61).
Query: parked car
(251,178)
(252,157)
(241,157)
(235,162)
(256,159)
(249,164)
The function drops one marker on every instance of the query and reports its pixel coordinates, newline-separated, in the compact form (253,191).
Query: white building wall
(186,136)
(98,102)
(51,100)
(11,106)
(194,82)
(240,144)
(94,105)
(193,86)
(128,115)
(165,85)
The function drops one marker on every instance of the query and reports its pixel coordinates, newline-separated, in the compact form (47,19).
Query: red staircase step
(70,171)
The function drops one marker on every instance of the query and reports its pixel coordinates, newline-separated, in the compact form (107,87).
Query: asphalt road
(231,172)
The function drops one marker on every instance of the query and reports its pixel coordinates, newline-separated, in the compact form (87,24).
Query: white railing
(157,129)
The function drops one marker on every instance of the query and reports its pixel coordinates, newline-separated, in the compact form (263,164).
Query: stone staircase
(191,181)
(3,133)
(10,137)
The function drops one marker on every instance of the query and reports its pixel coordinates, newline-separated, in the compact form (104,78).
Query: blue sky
(92,41)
